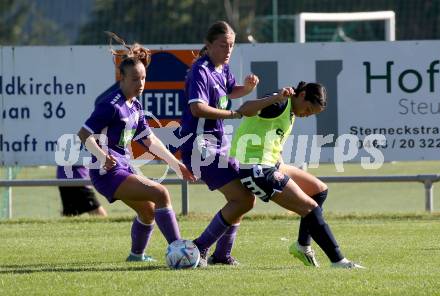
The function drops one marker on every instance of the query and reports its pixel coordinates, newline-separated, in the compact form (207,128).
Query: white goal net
(388,17)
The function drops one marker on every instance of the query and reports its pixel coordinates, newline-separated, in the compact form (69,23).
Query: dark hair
(218,28)
(133,54)
(315,93)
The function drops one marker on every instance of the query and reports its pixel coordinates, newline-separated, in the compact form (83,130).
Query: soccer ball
(182,254)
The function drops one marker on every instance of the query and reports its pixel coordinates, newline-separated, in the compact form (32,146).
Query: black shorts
(263,181)
(78,200)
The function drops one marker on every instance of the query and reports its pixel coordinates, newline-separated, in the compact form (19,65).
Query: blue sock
(322,235)
(304,238)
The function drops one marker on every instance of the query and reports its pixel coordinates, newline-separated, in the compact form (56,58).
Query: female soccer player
(118,118)
(209,86)
(257,145)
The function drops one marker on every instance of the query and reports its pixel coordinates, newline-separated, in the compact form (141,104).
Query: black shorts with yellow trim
(263,181)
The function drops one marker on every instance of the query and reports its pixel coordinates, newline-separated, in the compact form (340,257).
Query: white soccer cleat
(203,262)
(304,253)
(140,258)
(347,264)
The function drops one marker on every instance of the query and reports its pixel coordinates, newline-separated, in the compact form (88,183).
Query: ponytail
(201,53)
(300,87)
(132,54)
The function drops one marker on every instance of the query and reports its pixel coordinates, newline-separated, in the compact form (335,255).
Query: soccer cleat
(203,262)
(143,258)
(344,263)
(304,253)
(212,260)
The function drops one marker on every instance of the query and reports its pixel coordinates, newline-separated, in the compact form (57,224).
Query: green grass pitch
(381,226)
(86,257)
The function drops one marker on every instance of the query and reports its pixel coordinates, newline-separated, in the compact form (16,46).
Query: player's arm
(203,110)
(251,108)
(280,158)
(156,147)
(92,146)
(198,97)
(238,91)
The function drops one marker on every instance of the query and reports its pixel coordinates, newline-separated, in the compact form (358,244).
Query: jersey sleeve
(230,81)
(198,86)
(100,118)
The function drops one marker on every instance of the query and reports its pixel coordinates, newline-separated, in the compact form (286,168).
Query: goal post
(389,17)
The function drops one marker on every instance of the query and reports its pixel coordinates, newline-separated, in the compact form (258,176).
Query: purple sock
(140,235)
(167,223)
(212,233)
(226,242)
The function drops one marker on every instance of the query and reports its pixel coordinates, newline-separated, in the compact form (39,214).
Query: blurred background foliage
(82,22)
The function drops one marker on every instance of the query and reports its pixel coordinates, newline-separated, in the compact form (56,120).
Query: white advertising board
(387,88)
(46,92)
(383,98)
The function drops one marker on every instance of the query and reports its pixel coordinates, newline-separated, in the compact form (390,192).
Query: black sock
(322,235)
(304,238)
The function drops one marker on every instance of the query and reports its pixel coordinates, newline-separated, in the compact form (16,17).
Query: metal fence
(66,22)
(427,180)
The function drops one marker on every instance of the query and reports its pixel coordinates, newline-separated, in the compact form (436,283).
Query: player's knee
(146,215)
(248,203)
(320,197)
(316,216)
(319,187)
(322,187)
(306,207)
(162,195)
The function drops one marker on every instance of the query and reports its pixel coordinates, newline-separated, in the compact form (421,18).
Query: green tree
(164,21)
(21,23)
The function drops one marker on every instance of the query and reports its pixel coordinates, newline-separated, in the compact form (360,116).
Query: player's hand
(285,93)
(185,173)
(251,81)
(110,162)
